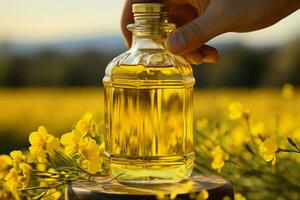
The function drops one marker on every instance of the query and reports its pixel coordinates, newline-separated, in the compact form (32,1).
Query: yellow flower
(203,195)
(219,157)
(39,138)
(17,156)
(267,150)
(90,151)
(173,194)
(202,124)
(287,91)
(38,153)
(85,125)
(257,128)
(160,195)
(238,196)
(188,186)
(53,143)
(237,137)
(26,171)
(43,143)
(5,161)
(13,174)
(13,182)
(71,142)
(235,110)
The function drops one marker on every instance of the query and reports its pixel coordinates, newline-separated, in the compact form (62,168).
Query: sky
(50,20)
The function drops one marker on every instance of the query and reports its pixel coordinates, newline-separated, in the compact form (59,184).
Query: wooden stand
(104,188)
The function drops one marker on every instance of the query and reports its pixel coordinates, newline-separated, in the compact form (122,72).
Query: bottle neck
(148,42)
(150,30)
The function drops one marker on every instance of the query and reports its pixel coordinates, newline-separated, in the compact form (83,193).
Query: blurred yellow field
(22,110)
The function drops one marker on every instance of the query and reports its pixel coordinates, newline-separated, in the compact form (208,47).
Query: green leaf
(293,143)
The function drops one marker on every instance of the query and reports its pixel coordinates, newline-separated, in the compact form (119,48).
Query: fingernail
(209,59)
(176,43)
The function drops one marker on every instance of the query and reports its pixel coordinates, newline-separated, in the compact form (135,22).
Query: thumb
(194,34)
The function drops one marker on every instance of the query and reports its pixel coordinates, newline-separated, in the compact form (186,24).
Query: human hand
(201,20)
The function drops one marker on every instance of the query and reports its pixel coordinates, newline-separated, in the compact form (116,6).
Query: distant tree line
(53,68)
(239,66)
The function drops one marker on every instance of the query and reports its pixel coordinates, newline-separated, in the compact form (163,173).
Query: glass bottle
(149,105)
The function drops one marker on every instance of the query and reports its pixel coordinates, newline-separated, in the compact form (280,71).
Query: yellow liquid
(149,125)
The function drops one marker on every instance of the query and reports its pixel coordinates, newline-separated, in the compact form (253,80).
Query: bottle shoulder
(149,57)
(149,64)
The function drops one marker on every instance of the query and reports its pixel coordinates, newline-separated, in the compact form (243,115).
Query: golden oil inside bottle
(149,124)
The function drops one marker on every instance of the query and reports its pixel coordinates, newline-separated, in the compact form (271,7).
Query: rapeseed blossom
(86,126)
(43,143)
(13,183)
(160,195)
(91,152)
(173,194)
(219,157)
(202,124)
(239,196)
(6,163)
(236,110)
(202,195)
(26,173)
(188,186)
(268,149)
(17,157)
(52,162)
(71,142)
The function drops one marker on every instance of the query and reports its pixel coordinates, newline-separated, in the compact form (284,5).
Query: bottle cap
(149,8)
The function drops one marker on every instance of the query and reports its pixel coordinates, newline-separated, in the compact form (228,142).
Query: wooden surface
(104,188)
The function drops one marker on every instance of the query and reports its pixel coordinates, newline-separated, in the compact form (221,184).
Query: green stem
(279,150)
(44,187)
